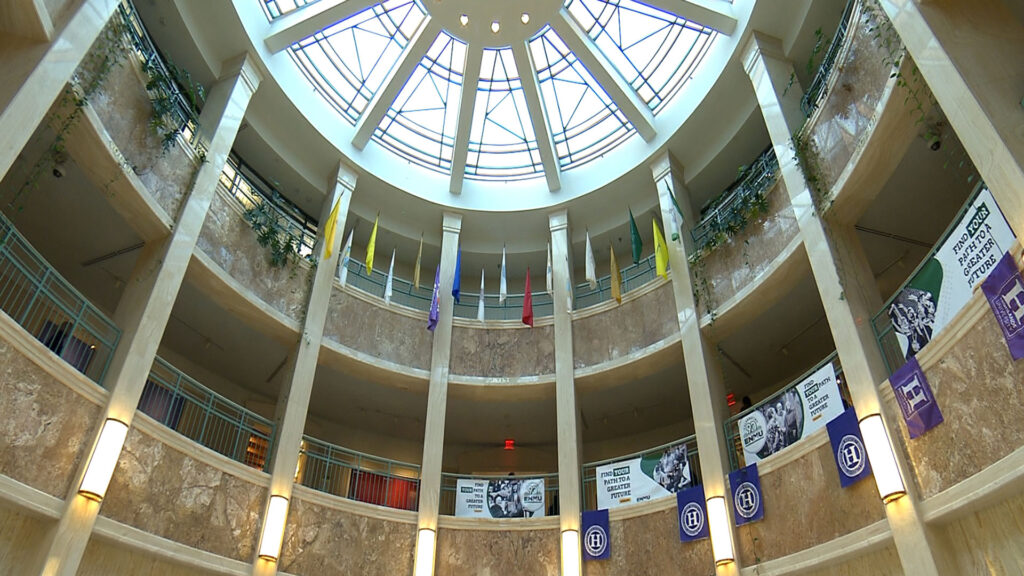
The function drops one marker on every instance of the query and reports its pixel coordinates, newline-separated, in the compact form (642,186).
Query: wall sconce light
(883,461)
(425,542)
(721,533)
(571,553)
(103,460)
(273,529)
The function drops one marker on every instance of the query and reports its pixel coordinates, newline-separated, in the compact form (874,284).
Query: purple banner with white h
(747,502)
(693,514)
(848,448)
(915,398)
(1004,289)
(596,540)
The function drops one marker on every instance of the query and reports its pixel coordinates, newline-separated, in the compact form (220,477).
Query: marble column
(293,402)
(37,86)
(437,398)
(845,283)
(703,372)
(146,305)
(971,54)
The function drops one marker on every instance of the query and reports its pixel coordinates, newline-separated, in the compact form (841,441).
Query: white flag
(503,290)
(548,279)
(480,303)
(591,272)
(346,255)
(391,278)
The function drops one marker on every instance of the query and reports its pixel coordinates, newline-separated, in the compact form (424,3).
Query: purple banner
(597,544)
(848,448)
(1004,289)
(693,515)
(915,398)
(435,306)
(747,500)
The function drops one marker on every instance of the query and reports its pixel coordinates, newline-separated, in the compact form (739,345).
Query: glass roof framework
(276,8)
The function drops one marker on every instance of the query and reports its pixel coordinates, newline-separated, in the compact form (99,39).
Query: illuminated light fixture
(425,541)
(103,460)
(273,528)
(510,443)
(883,461)
(525,18)
(721,534)
(495,27)
(464,20)
(571,553)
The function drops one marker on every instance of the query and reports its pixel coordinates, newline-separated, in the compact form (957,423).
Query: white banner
(793,414)
(651,476)
(505,498)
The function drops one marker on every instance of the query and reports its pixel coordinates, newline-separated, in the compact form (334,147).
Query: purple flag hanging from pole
(915,398)
(435,308)
(1004,289)
(457,280)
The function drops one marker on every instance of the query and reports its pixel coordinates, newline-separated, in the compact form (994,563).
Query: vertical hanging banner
(848,449)
(597,544)
(1004,289)
(746,495)
(504,498)
(648,477)
(914,396)
(693,514)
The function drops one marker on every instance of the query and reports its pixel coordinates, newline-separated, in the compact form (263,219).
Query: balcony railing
(590,469)
(449,487)
(357,476)
(35,296)
(818,89)
(207,418)
(633,277)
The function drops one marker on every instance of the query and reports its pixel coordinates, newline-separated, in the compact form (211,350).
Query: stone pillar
(38,89)
(293,402)
(703,373)
(570,497)
(845,282)
(971,54)
(437,396)
(147,302)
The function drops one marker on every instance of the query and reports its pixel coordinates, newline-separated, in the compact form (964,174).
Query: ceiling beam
(628,101)
(538,117)
(715,14)
(467,105)
(304,22)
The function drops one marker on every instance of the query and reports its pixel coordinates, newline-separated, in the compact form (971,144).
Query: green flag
(634,235)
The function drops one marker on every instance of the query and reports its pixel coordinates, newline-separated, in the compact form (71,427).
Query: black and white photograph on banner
(500,498)
(673,469)
(655,474)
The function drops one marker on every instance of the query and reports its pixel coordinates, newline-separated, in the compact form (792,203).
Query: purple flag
(693,515)
(747,500)
(915,398)
(435,308)
(1004,289)
(596,542)
(848,448)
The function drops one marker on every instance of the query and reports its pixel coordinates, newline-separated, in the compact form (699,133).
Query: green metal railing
(590,469)
(357,476)
(817,90)
(449,487)
(726,213)
(732,425)
(35,296)
(205,417)
(633,276)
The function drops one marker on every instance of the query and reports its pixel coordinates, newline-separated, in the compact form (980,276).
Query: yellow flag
(419,262)
(371,246)
(660,251)
(616,278)
(331,230)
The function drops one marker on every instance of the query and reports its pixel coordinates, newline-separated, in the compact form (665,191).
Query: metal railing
(205,417)
(732,425)
(590,469)
(817,90)
(357,476)
(726,213)
(633,277)
(449,487)
(35,296)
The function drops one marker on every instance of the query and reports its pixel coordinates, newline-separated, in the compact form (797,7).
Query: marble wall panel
(44,425)
(231,243)
(377,331)
(104,558)
(162,491)
(627,328)
(804,506)
(882,562)
(59,11)
(503,353)
(988,541)
(978,387)
(20,534)
(498,553)
(649,544)
(321,540)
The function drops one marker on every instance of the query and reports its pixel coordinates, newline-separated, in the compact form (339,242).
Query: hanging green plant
(272,233)
(171,88)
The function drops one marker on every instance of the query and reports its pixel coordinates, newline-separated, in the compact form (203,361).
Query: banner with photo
(500,498)
(793,414)
(944,284)
(651,476)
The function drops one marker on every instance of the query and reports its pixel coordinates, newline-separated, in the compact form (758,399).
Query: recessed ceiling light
(495,27)
(525,18)
(464,19)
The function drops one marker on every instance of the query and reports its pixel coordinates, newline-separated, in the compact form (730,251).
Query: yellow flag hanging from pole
(616,278)
(419,262)
(371,246)
(331,230)
(660,251)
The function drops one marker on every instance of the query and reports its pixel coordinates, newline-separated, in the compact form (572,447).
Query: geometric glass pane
(276,8)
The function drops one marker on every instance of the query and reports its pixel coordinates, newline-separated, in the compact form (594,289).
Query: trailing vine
(164,83)
(272,233)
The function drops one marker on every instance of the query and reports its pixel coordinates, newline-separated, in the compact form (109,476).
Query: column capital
(452,223)
(665,164)
(245,67)
(344,176)
(558,220)
(761,45)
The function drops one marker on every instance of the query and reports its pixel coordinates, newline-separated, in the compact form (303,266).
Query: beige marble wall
(649,544)
(497,553)
(624,329)
(231,243)
(59,10)
(988,541)
(44,425)
(978,388)
(378,332)
(883,562)
(804,506)
(162,491)
(103,558)
(321,540)
(19,535)
(503,353)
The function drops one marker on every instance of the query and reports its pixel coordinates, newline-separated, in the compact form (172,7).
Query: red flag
(528,302)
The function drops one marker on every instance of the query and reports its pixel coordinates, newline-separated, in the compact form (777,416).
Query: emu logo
(691,519)
(747,500)
(595,540)
(850,456)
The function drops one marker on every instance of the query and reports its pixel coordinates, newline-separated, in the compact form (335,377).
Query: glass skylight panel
(276,8)
(585,122)
(656,52)
(349,61)
(502,144)
(420,125)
